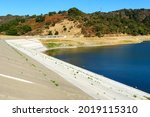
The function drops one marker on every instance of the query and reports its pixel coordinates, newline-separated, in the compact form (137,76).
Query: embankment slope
(44,83)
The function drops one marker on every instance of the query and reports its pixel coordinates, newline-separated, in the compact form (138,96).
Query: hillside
(77,23)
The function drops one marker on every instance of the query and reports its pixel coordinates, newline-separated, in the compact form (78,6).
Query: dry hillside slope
(64,27)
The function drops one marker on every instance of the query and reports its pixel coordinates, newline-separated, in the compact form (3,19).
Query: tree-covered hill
(125,21)
(133,22)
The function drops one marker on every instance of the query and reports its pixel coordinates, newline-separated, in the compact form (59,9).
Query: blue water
(128,64)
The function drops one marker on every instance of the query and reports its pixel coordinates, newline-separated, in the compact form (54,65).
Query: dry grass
(71,28)
(95,41)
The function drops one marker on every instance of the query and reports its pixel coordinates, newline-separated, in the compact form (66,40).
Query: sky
(24,7)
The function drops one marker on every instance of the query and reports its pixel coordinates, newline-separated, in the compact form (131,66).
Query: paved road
(23,78)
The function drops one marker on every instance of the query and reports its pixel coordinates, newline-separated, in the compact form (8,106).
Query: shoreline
(97,86)
(87,42)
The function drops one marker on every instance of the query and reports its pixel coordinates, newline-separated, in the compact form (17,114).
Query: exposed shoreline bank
(53,44)
(97,86)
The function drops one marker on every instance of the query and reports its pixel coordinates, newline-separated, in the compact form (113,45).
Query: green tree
(51,13)
(12,31)
(24,29)
(61,12)
(75,13)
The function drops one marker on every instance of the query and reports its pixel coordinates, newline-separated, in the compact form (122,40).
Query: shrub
(56,33)
(65,29)
(50,33)
(40,18)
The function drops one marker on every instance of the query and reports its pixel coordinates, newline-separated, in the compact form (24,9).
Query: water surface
(128,64)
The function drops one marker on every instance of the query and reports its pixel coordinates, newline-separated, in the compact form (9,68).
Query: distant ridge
(76,22)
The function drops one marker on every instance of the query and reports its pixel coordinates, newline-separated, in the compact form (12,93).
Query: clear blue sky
(23,7)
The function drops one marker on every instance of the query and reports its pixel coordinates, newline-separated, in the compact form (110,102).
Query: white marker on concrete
(14,78)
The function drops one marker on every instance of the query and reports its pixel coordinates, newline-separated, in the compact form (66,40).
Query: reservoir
(128,64)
